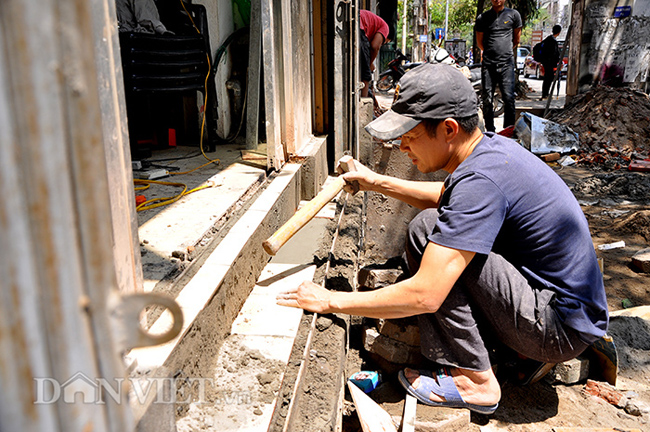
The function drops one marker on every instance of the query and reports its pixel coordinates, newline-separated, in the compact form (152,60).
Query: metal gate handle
(126,316)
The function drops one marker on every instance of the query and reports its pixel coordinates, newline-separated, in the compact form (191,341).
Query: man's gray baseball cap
(430,91)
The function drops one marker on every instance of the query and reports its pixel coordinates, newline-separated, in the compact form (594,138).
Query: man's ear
(450,128)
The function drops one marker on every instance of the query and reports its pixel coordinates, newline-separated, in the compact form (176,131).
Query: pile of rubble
(613,125)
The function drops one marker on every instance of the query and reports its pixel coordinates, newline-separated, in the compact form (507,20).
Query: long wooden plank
(372,417)
(575,49)
(286,53)
(126,245)
(318,67)
(19,276)
(55,220)
(408,418)
(254,69)
(271,87)
(339,126)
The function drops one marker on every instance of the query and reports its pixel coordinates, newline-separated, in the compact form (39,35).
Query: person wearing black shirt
(497,35)
(551,57)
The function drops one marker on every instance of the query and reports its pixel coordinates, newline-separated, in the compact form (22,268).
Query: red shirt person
(373,35)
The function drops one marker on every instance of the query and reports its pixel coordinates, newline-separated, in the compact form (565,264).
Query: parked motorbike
(396,69)
(440,55)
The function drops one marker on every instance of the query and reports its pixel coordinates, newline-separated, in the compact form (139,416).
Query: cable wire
(159,202)
(145,184)
(205,87)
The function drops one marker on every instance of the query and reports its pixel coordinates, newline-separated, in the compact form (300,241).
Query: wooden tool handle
(309,210)
(302,216)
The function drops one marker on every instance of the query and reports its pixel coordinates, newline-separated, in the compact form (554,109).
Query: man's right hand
(365,178)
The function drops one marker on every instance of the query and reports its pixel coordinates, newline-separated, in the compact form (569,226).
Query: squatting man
(500,249)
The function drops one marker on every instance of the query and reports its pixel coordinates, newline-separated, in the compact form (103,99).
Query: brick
(606,392)
(427,418)
(571,371)
(389,349)
(436,419)
(377,278)
(641,259)
(550,157)
(402,330)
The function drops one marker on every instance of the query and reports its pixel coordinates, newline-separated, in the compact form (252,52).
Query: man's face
(428,154)
(498,4)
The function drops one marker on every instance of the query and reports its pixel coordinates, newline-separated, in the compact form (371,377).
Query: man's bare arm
(516,36)
(479,40)
(423,293)
(375,45)
(419,194)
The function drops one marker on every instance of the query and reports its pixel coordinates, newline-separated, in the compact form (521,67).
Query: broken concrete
(389,349)
(370,278)
(403,330)
(427,418)
(570,372)
(641,260)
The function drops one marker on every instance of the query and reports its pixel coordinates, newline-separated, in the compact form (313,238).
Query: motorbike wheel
(385,83)
(497,104)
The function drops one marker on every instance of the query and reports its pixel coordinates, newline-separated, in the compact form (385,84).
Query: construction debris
(374,278)
(606,392)
(571,372)
(542,136)
(641,259)
(613,125)
(390,349)
(628,186)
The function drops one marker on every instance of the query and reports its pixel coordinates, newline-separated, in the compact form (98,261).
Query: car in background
(522,53)
(533,68)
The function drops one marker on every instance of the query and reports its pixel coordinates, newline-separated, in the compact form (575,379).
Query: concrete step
(211,298)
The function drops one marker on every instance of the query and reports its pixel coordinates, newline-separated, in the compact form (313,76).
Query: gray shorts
(491,303)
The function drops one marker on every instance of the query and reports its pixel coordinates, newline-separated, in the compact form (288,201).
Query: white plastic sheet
(542,136)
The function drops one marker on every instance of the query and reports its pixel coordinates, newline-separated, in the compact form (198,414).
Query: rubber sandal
(444,387)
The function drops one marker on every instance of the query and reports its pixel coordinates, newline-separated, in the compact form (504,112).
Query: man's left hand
(308,296)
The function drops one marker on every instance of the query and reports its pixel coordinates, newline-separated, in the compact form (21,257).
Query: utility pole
(446,18)
(404,25)
(420,30)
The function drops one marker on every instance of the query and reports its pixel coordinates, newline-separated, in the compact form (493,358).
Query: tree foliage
(463,13)
(526,8)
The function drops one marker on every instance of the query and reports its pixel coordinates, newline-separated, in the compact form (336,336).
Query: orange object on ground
(507,132)
(171,133)
(139,199)
(640,165)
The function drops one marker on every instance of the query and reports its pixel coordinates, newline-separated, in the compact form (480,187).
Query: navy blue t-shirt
(505,200)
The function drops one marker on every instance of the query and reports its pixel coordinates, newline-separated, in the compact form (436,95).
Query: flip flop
(444,387)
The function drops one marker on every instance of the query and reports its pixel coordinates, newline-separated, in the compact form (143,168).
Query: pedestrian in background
(551,56)
(497,35)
